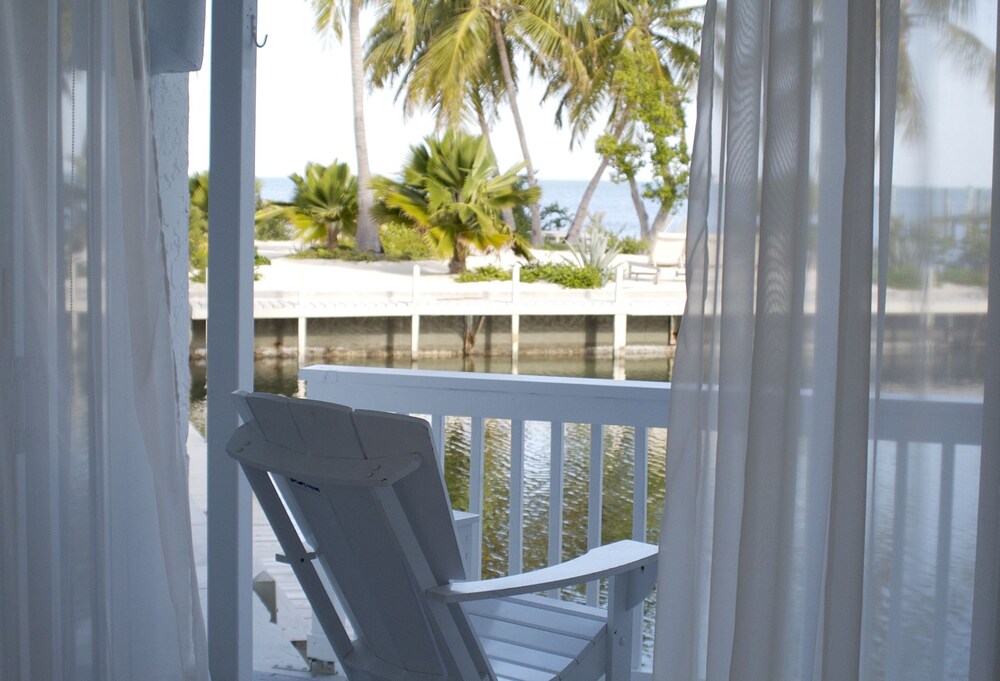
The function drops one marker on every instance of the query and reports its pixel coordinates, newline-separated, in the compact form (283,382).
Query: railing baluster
(515,545)
(640,484)
(437,431)
(556,456)
(594,503)
(946,502)
(897,572)
(477,478)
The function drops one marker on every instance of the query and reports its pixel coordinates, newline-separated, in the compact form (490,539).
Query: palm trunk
(573,234)
(659,222)
(640,208)
(457,263)
(508,212)
(332,236)
(581,211)
(508,79)
(367,234)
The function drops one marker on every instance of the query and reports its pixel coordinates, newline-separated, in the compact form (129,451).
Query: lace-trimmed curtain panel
(97,561)
(827,443)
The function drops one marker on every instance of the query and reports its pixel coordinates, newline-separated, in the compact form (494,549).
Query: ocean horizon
(612,199)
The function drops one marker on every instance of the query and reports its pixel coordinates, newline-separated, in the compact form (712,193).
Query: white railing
(555,400)
(947,423)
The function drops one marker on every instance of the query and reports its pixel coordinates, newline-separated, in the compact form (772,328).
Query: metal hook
(253,31)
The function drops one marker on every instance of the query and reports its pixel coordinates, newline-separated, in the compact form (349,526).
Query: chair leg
(620,629)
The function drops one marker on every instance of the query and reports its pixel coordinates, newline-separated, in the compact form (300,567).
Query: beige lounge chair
(667,253)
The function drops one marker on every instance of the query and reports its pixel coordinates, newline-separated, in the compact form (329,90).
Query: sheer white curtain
(97,562)
(826,427)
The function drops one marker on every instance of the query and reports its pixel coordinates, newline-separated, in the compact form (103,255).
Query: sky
(304,110)
(304,113)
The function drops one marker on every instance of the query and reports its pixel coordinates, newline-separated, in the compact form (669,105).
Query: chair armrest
(604,561)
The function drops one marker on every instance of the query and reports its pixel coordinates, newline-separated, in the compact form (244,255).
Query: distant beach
(614,200)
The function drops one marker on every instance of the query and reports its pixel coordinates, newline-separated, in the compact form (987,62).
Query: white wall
(170,124)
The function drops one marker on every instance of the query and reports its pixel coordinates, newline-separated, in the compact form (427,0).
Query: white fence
(554,400)
(942,423)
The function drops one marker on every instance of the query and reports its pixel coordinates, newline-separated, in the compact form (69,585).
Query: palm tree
(464,65)
(451,191)
(643,58)
(325,203)
(329,19)
(946,18)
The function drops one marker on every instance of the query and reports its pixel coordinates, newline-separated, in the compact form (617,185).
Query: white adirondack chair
(359,495)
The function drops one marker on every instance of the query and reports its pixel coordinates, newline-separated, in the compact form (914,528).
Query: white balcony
(915,434)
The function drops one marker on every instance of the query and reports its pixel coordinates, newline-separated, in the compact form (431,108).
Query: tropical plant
(325,203)
(555,217)
(329,21)
(198,225)
(460,62)
(947,19)
(450,190)
(597,249)
(402,242)
(564,274)
(642,59)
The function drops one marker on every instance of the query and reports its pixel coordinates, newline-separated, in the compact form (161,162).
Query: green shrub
(905,276)
(630,245)
(555,246)
(564,274)
(272,229)
(348,253)
(484,273)
(963,276)
(403,243)
(258,262)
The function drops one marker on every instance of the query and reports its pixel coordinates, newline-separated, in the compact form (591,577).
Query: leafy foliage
(642,58)
(325,203)
(484,273)
(341,252)
(596,250)
(654,136)
(198,226)
(401,242)
(555,217)
(451,191)
(565,274)
(628,245)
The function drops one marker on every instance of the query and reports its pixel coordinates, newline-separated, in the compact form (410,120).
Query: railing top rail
(529,398)
(909,417)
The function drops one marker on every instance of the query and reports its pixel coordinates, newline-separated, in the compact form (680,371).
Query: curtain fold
(99,577)
(823,460)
